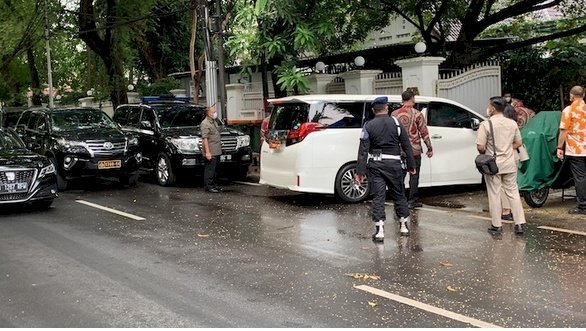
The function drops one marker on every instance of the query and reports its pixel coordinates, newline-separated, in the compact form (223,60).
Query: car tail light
(264,128)
(298,135)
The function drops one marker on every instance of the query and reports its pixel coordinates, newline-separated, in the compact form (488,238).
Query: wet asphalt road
(260,257)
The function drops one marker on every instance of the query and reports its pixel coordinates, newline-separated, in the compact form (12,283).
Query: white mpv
(311,143)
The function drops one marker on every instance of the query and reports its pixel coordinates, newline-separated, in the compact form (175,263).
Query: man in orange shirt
(414,122)
(572,144)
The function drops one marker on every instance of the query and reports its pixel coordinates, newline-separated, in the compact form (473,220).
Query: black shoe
(577,210)
(507,217)
(219,189)
(519,229)
(414,204)
(495,229)
(213,190)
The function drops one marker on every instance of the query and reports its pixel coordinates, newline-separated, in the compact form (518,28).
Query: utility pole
(48,45)
(221,67)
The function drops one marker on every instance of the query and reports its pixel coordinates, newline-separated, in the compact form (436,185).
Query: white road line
(247,183)
(426,307)
(113,211)
(562,230)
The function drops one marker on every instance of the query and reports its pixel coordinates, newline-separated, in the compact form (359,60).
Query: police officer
(381,142)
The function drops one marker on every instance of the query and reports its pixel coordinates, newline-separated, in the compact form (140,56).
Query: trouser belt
(387,157)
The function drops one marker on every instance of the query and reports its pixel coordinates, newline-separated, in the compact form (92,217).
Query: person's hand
(429,153)
(358,179)
(413,171)
(560,153)
(209,156)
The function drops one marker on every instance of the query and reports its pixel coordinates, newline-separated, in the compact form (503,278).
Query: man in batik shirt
(524,114)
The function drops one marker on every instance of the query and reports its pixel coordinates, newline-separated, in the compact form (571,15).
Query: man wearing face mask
(212,149)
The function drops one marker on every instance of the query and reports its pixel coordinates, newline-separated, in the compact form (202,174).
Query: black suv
(24,175)
(81,142)
(10,115)
(170,139)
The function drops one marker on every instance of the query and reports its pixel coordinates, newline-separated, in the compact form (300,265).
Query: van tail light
(264,128)
(298,135)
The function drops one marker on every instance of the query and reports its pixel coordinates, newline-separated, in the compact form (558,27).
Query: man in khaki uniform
(507,138)
(212,149)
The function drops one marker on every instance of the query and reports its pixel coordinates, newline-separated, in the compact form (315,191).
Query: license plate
(14,187)
(224,158)
(274,144)
(113,164)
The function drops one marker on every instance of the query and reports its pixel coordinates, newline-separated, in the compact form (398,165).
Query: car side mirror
(474,124)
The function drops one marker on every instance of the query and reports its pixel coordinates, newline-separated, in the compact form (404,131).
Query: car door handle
(436,136)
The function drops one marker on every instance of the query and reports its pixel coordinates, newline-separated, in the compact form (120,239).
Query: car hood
(92,134)
(22,158)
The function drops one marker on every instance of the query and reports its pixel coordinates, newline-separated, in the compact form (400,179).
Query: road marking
(247,183)
(113,211)
(454,211)
(562,230)
(426,307)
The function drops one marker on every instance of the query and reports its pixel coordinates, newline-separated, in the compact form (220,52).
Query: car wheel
(43,204)
(163,170)
(537,198)
(128,179)
(61,181)
(346,189)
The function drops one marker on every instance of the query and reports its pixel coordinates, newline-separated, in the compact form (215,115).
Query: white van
(311,143)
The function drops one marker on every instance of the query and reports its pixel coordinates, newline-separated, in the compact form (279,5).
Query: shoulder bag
(486,164)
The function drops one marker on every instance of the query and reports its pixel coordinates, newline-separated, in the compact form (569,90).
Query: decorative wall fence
(337,86)
(388,83)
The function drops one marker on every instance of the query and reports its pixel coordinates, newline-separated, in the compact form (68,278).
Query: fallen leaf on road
(446,264)
(450,289)
(201,235)
(372,304)
(363,276)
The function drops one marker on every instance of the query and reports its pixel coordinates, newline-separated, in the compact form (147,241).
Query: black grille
(229,144)
(97,147)
(10,197)
(20,176)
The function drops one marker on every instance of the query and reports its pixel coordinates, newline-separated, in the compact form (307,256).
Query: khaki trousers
(504,184)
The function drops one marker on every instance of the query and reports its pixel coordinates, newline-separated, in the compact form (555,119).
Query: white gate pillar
(421,73)
(318,83)
(360,81)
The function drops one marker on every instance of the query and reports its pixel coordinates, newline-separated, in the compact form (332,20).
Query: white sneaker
(379,232)
(404,228)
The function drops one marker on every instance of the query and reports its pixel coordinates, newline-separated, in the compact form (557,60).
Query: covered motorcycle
(543,170)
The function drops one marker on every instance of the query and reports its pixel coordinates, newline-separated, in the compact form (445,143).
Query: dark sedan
(24,175)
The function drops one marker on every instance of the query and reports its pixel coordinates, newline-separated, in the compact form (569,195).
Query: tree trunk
(34,74)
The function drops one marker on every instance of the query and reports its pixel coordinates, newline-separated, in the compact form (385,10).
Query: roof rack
(165,98)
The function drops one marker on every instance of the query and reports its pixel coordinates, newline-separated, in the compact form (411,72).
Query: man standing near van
(414,122)
(381,141)
(212,149)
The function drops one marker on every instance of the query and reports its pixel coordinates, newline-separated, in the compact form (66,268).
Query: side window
(33,121)
(24,118)
(446,115)
(148,116)
(41,124)
(340,114)
(134,117)
(121,116)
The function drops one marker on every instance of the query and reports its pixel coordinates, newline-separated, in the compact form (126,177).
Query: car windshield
(172,116)
(80,119)
(10,141)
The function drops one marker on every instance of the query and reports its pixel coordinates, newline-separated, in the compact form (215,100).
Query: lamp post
(48,47)
(320,67)
(420,47)
(359,61)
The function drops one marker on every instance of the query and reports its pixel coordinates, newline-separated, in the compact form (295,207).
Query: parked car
(312,143)
(81,142)
(170,139)
(24,176)
(10,115)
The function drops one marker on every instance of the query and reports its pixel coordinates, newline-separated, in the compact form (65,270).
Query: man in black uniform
(381,142)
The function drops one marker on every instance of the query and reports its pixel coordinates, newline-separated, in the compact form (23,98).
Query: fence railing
(388,83)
